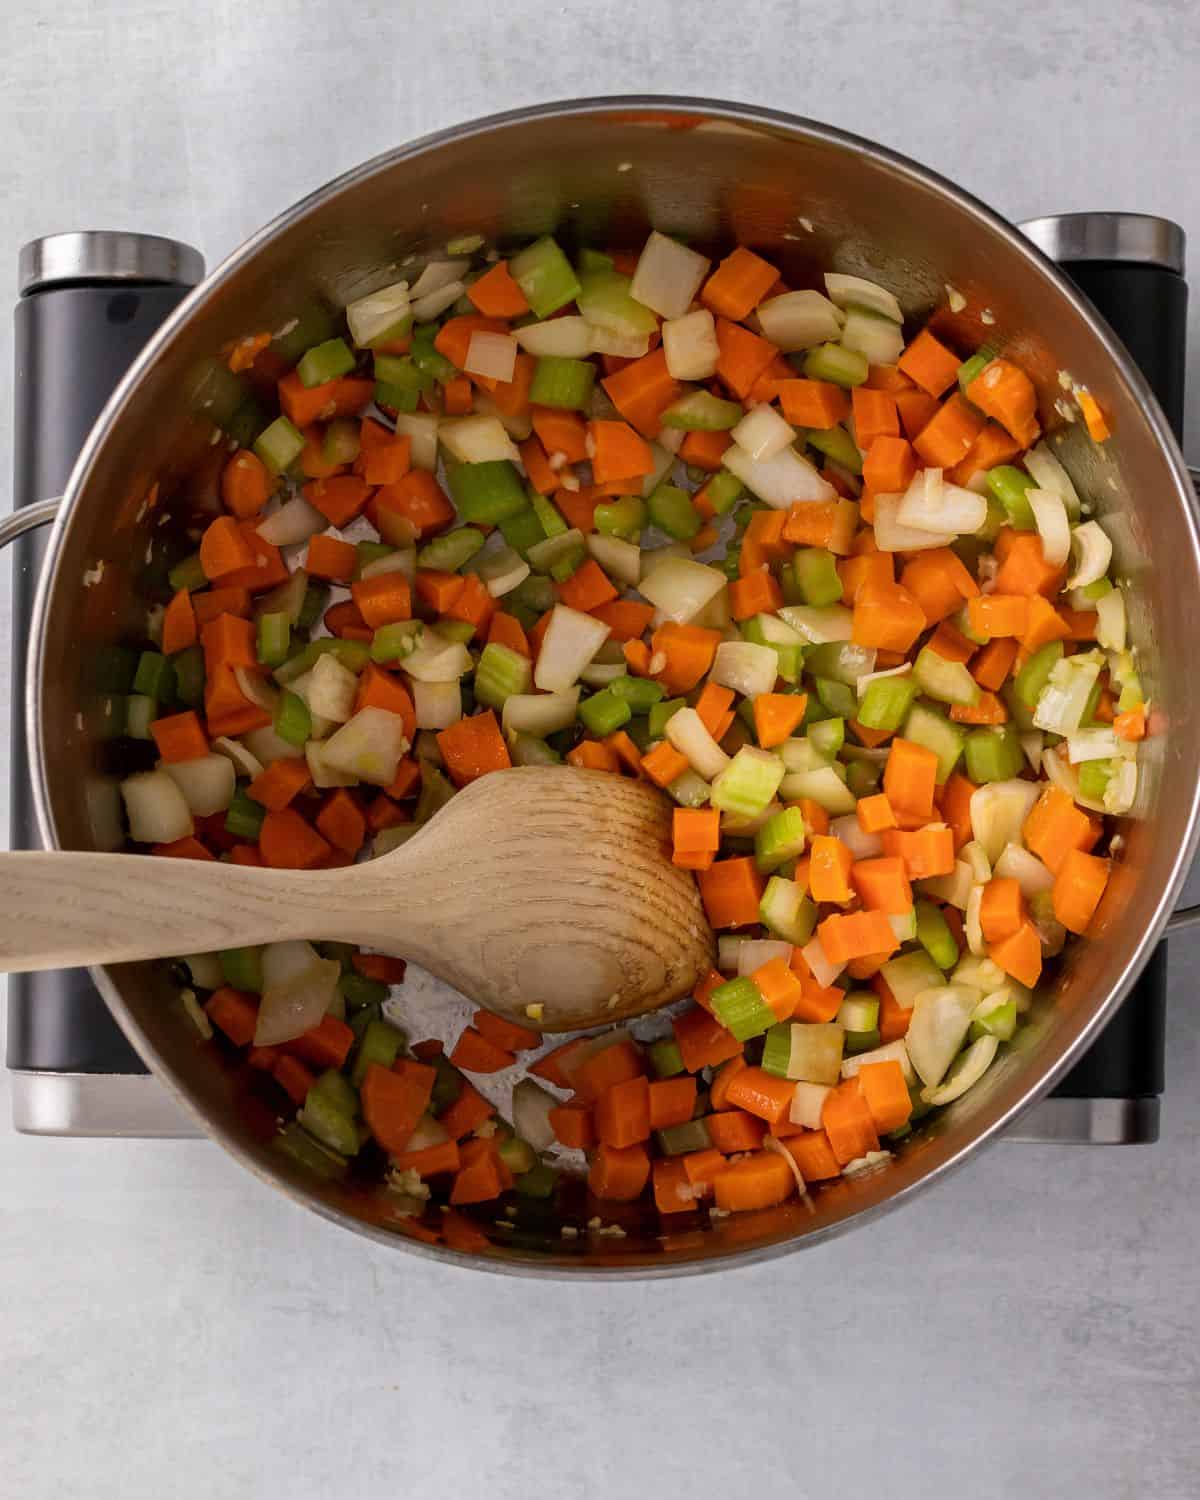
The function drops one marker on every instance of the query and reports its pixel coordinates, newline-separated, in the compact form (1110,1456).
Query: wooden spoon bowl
(544,893)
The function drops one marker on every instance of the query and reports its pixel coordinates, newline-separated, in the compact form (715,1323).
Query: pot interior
(602,174)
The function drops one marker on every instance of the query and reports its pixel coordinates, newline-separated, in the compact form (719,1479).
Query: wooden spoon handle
(62,910)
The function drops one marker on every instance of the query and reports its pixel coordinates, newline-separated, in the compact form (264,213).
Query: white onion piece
(531,1105)
(664,458)
(668,276)
(557,338)
(687,733)
(624,346)
(332,689)
(1092,550)
(966,1072)
(1093,744)
(621,560)
(402,560)
(1032,744)
(861,844)
(436,275)
(677,586)
(931,505)
(368,746)
(437,704)
(891,536)
(1053,525)
(295,521)
(746,668)
(492,355)
(762,433)
(421,428)
(728,948)
(754,952)
(1121,788)
(818,626)
(262,693)
(1110,620)
(1049,474)
(937,1027)
(998,812)
(824,971)
(978,861)
(503,571)
(782,480)
(1059,771)
(425,309)
(877,338)
(476,440)
(856,291)
(539,714)
(436,659)
(205,969)
(298,989)
(690,346)
(890,1052)
(865,681)
(245,762)
(427,1132)
(972,921)
(798,320)
(157,810)
(370,317)
(207,783)
(571,641)
(1020,864)
(955,888)
(323,775)
(807,1103)
(265,745)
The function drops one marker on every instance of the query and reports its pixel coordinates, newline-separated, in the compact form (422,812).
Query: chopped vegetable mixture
(823,583)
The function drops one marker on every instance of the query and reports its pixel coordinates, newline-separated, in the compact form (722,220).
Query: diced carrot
(893,1018)
(378,688)
(813,403)
(939,582)
(887,378)
(929,363)
(185,848)
(813,1156)
(829,870)
(430,1161)
(292,1076)
(822,523)
(572,1125)
(383,599)
(1020,955)
(341,821)
(991,667)
(224,549)
(859,934)
(701,1167)
(890,463)
(588,588)
(1080,623)
(619,1175)
(537,466)
(235,1013)
(625,618)
(641,392)
(380,966)
(731,890)
(743,357)
(993,446)
(758,594)
(1055,826)
(916,409)
(1023,566)
(388,462)
(497,295)
(664,764)
(718,1092)
(703,1041)
(305,405)
(229,641)
(875,813)
(479,1179)
(1002,909)
(417,498)
(909,777)
(617,1063)
(1078,887)
(466,1113)
(765,530)
(704,450)
(1043,624)
(339,499)
(622,1113)
(875,416)
(1004,392)
(345,620)
(325,1045)
(505,1034)
(330,558)
(885,1094)
(1131,725)
(882,885)
(458,397)
(672,1101)
(776,715)
(886,616)
(282,780)
(871,570)
(956,808)
(738,285)
(760,1180)
(733,1130)
(696,830)
(780,987)
(927,851)
(951,644)
(689,652)
(506,630)
(211,603)
(179,737)
(594,755)
(179,628)
(948,436)
(1094,419)
(761,1094)
(454,336)
(288,842)
(672,1191)
(847,1122)
(617,452)
(563,432)
(474,1053)
(473,747)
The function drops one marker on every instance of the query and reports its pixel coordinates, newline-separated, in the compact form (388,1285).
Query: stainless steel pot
(603,172)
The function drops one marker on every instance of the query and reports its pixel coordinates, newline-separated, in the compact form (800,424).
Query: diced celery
(863,777)
(934,935)
(909,974)
(994,754)
(826,786)
(279,445)
(926,726)
(661,712)
(741,1009)
(779,839)
(244,817)
(623,517)
(545,276)
(538,1182)
(671,510)
(862,1041)
(326,361)
(536,594)
(451,550)
(688,790)
(341,443)
(1010,486)
(486,492)
(332,1126)
(827,737)
(549,517)
(700,411)
(242,967)
(679,1140)
(528,750)
(274,639)
(395,641)
(428,359)
(723,490)
(666,1058)
(589,261)
(817,578)
(366,553)
(293,722)
(562,383)
(777,1050)
(189,676)
(1094,776)
(605,302)
(604,713)
(886,702)
(1069,696)
(837,444)
(155,676)
(522,530)
(944,680)
(316,597)
(859,1011)
(188,574)
(294,1141)
(1035,674)
(994,1017)
(641,693)
(843,661)
(517,1155)
(971,368)
(836,697)
(500,673)
(787,911)
(832,362)
(748,783)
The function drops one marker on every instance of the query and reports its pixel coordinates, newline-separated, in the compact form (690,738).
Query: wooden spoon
(539,886)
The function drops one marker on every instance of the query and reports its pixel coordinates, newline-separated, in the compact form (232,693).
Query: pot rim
(1126,371)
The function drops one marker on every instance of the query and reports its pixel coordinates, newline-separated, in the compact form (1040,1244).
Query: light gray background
(167,1327)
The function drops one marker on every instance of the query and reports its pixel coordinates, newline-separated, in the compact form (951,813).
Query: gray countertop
(169,1328)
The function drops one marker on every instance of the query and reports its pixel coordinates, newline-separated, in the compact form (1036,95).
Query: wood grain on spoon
(539,886)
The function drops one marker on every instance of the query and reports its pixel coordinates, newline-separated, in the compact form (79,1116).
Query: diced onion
(493,355)
(998,811)
(782,480)
(834,622)
(762,433)
(370,317)
(932,506)
(875,337)
(295,521)
(690,346)
(503,571)
(955,889)
(1093,744)
(298,989)
(968,1069)
(531,1105)
(436,275)
(207,783)
(1049,474)
(798,320)
(332,689)
(808,1102)
(261,692)
(728,948)
(476,440)
(368,746)
(421,428)
(1020,864)
(824,971)
(856,291)
(403,560)
(754,952)
(624,346)
(245,762)
(746,668)
(539,714)
(849,830)
(1059,771)
(891,536)
(1121,788)
(937,1028)
(265,745)
(865,681)
(1053,525)
(426,308)
(687,733)
(1092,550)
(890,1052)
(668,276)
(621,560)
(156,808)
(1110,620)
(570,642)
(437,704)
(437,660)
(324,775)
(678,587)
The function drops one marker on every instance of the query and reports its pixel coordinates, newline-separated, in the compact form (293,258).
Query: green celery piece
(528,750)
(590,261)
(859,1011)
(517,1155)
(188,574)
(926,726)
(316,598)
(863,777)
(244,818)
(155,676)
(780,838)
(565,384)
(666,1058)
(325,362)
(447,1085)
(341,443)
(293,722)
(1094,591)
(311,323)
(1094,776)
(671,510)
(837,444)
(934,935)
(946,681)
(500,673)
(817,577)
(279,445)
(679,1140)
(522,530)
(837,697)
(548,514)
(1035,674)
(394,642)
(436,791)
(994,754)
(746,786)
(535,592)
(886,702)
(539,1182)
(456,630)
(701,411)
(641,693)
(366,553)
(786,911)
(841,660)
(337,1091)
(972,368)
(604,300)
(604,713)
(398,398)
(739,1006)
(448,552)
(274,639)
(545,276)
(567,563)
(330,1125)
(828,736)
(380,1043)
(861,1041)
(723,490)
(241,968)
(730,564)
(833,363)
(295,1142)
(224,398)
(429,360)
(1010,487)
(1000,1021)
(623,517)
(660,713)
(777,1050)
(486,492)
(359,991)
(189,676)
